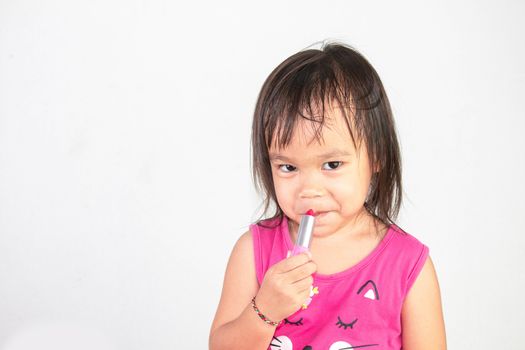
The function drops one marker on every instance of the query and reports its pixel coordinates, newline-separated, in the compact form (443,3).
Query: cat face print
(338,329)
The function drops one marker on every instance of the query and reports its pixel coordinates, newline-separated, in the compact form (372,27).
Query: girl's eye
(287,168)
(332,165)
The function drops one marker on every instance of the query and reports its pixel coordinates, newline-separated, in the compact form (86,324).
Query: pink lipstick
(304,234)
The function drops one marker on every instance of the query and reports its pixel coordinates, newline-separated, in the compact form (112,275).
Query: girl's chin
(322,231)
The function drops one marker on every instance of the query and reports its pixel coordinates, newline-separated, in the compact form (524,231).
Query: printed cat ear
(370,290)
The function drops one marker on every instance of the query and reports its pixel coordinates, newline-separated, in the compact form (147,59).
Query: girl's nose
(311,193)
(311,187)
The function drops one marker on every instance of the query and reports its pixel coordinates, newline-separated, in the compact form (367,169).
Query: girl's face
(330,176)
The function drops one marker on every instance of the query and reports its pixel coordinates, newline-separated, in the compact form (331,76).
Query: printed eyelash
(340,323)
(298,323)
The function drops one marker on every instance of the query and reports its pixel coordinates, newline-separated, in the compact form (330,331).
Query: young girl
(323,138)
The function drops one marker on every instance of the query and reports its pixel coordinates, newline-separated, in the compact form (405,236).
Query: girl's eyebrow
(331,154)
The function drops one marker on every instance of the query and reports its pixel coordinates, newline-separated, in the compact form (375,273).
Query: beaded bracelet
(264,318)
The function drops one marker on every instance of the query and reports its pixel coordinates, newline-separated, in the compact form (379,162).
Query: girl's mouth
(319,214)
(316,214)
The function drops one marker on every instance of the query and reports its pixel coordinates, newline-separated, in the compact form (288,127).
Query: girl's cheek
(285,194)
(282,190)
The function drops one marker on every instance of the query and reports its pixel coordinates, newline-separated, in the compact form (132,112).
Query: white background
(125,169)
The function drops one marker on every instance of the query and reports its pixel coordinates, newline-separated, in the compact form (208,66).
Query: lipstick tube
(304,234)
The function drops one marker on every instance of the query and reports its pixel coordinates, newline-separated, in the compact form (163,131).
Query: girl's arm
(422,316)
(236,325)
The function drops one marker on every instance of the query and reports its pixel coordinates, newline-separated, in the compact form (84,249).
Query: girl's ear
(376,168)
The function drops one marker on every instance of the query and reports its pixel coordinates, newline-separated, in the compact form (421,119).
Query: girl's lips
(315,213)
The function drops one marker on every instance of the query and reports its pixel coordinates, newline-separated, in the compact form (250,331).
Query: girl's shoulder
(266,230)
(270,243)
(403,240)
(268,223)
(408,253)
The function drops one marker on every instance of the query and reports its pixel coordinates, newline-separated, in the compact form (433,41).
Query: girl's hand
(286,286)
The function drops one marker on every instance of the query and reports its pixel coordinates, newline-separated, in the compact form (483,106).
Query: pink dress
(358,308)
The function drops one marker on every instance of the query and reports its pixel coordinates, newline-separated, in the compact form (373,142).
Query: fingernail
(309,254)
(288,254)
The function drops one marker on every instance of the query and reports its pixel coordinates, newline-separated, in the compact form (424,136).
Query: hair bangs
(306,93)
